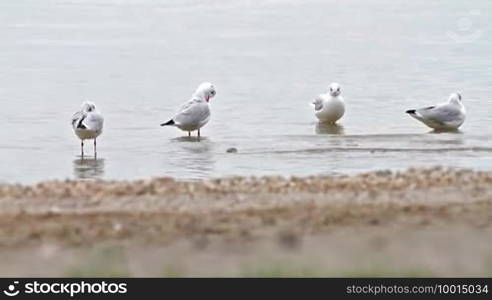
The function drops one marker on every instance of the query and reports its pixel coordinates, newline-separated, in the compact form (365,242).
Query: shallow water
(139,60)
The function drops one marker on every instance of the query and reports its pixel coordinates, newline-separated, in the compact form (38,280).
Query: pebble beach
(308,220)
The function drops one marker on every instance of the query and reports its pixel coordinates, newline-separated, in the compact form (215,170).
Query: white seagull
(448,115)
(87,124)
(329,107)
(195,113)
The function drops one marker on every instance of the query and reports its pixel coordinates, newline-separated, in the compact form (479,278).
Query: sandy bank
(164,213)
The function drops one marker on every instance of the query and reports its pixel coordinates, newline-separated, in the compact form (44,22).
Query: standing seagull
(87,124)
(444,116)
(195,113)
(330,107)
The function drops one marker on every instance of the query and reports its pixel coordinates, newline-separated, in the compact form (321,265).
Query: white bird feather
(449,115)
(87,124)
(194,113)
(329,107)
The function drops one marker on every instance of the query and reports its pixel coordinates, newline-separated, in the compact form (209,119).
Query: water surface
(139,60)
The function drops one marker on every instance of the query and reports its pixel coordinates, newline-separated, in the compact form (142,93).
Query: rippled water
(139,60)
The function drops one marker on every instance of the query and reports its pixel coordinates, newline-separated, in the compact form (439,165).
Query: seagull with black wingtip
(195,113)
(448,115)
(87,124)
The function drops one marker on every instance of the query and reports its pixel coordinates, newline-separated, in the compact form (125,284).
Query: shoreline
(162,215)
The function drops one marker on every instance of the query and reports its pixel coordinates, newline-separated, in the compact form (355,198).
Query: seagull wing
(186,105)
(318,102)
(77,120)
(443,113)
(192,112)
(93,121)
(90,121)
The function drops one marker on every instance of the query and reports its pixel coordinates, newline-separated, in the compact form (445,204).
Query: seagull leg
(82,148)
(198,132)
(189,133)
(95,149)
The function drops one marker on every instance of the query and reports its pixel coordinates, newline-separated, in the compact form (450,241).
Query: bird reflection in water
(193,156)
(88,168)
(324,128)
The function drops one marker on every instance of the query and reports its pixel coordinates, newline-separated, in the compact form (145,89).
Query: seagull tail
(415,114)
(168,123)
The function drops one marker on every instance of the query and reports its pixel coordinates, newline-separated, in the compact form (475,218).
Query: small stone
(289,239)
(374,221)
(231,150)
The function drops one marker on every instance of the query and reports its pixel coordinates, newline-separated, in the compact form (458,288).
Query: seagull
(330,107)
(87,124)
(448,115)
(195,113)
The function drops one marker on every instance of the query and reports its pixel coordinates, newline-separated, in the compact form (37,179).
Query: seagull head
(455,98)
(334,89)
(205,91)
(88,106)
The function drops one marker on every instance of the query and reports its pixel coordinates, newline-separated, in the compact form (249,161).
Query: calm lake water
(139,60)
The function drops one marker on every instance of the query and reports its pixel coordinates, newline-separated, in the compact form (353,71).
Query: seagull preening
(87,124)
(195,113)
(444,116)
(330,107)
